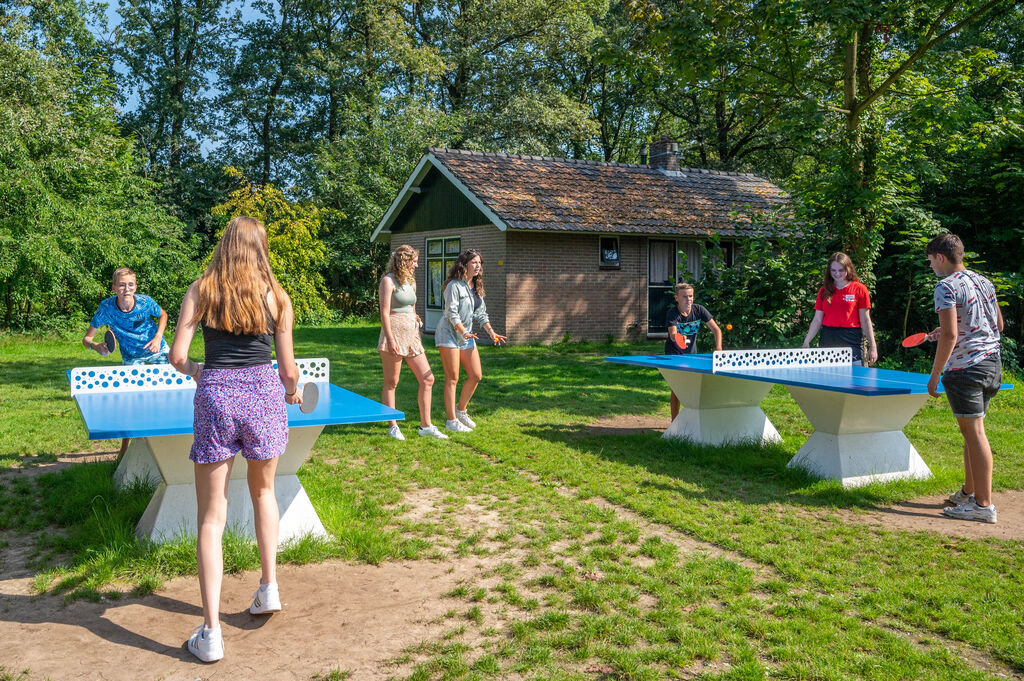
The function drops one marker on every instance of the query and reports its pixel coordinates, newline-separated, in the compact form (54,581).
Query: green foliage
(293,234)
(359,176)
(768,295)
(72,206)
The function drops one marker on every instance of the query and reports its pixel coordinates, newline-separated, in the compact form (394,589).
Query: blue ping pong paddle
(310,396)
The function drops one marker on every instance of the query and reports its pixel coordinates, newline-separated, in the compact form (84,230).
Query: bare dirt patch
(31,466)
(627,424)
(925,514)
(355,618)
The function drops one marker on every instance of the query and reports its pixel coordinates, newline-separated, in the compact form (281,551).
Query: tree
(72,206)
(842,65)
(293,233)
(495,82)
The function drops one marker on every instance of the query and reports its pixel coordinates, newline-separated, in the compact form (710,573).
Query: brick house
(582,248)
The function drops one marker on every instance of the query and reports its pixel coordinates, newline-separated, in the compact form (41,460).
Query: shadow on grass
(743,472)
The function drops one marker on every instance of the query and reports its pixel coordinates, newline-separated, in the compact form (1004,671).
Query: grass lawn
(606,556)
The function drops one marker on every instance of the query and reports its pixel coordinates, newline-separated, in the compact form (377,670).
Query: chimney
(665,154)
(643,154)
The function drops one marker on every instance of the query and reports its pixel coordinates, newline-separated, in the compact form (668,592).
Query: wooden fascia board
(403,197)
(415,178)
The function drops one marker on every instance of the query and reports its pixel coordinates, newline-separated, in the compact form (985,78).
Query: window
(726,253)
(609,256)
(664,260)
(441,255)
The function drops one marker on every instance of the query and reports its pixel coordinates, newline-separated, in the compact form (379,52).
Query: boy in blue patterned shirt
(967,357)
(130,316)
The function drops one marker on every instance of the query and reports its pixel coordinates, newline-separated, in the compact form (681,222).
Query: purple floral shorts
(239,409)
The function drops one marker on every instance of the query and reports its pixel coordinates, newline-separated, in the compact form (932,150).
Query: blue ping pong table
(152,405)
(858,413)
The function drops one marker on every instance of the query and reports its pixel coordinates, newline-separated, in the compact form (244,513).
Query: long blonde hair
(398,263)
(233,289)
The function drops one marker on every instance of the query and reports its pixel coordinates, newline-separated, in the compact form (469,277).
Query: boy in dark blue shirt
(683,321)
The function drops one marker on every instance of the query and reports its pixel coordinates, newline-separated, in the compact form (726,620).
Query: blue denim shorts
(155,358)
(467,344)
(970,390)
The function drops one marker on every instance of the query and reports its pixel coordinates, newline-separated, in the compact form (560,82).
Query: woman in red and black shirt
(843,312)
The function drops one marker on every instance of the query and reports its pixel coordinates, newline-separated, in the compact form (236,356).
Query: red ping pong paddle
(310,396)
(913,340)
(680,340)
(110,341)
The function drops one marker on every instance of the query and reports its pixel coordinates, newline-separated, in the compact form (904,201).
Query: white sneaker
(432,431)
(266,599)
(206,644)
(463,418)
(457,426)
(396,432)
(969,510)
(958,497)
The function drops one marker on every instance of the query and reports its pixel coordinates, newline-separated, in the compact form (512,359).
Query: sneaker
(958,497)
(457,426)
(396,432)
(969,510)
(432,431)
(266,599)
(206,644)
(463,418)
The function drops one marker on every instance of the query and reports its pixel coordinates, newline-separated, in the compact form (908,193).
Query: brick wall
(556,287)
(542,285)
(487,239)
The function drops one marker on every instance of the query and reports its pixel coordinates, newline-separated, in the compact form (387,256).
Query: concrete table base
(858,439)
(718,410)
(163,460)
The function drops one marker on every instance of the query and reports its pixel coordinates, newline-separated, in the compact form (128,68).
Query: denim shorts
(155,358)
(466,344)
(970,390)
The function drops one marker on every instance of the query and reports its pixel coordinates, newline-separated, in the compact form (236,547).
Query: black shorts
(843,337)
(970,390)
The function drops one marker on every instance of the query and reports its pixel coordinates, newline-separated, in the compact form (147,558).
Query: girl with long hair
(239,406)
(463,308)
(400,338)
(842,311)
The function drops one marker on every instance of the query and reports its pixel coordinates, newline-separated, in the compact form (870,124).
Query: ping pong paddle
(310,396)
(680,340)
(110,341)
(913,340)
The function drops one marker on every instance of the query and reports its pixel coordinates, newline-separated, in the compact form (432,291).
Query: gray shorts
(970,390)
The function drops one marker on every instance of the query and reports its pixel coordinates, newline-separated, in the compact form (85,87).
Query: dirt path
(354,618)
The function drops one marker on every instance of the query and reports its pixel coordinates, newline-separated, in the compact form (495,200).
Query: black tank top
(236,351)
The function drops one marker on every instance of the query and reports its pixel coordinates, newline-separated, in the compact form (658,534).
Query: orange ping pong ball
(728,327)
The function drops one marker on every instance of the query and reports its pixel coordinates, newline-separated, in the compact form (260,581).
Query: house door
(663,261)
(441,255)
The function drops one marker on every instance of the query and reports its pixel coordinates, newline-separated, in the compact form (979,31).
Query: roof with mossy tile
(566,195)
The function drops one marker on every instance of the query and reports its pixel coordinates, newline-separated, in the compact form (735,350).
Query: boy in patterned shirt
(967,357)
(130,316)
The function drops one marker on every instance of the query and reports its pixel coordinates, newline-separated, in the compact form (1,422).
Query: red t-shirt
(843,309)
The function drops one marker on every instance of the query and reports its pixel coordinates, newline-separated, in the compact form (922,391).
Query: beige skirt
(406,331)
